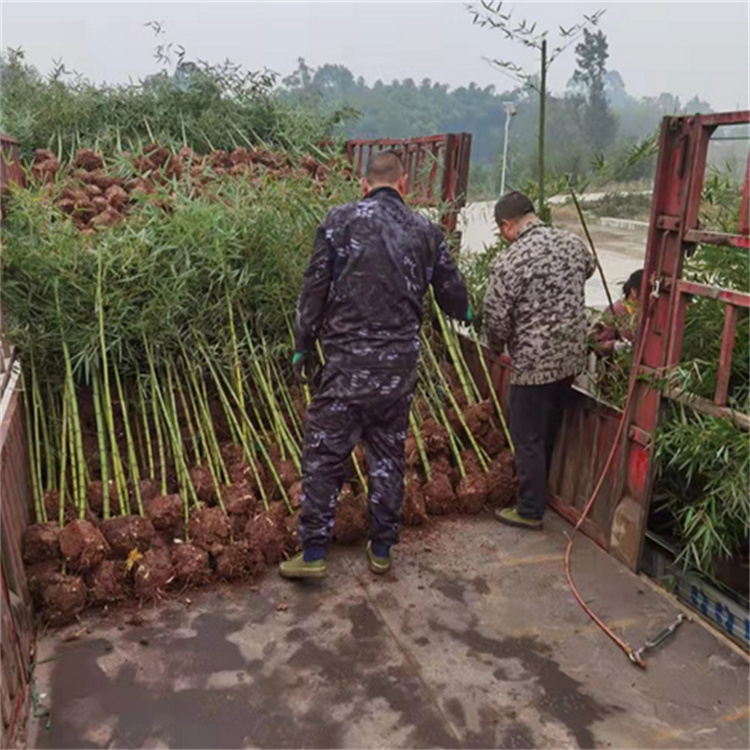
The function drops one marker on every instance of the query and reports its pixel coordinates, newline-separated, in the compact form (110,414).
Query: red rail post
(725,358)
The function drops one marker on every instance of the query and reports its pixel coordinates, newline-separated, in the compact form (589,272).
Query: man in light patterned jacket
(535,306)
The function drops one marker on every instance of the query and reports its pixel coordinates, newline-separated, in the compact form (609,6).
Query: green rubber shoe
(510,517)
(299,569)
(379,565)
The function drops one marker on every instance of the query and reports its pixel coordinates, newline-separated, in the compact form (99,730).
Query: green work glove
(298,364)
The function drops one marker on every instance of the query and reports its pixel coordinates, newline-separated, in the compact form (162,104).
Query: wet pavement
(473,640)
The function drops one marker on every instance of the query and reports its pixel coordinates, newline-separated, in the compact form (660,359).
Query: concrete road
(621,251)
(473,641)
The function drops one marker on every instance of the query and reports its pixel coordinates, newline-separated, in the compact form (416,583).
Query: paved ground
(621,251)
(472,641)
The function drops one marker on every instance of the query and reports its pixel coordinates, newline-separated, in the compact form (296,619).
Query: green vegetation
(186,103)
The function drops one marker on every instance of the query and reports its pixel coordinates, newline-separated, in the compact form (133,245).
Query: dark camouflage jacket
(535,304)
(365,284)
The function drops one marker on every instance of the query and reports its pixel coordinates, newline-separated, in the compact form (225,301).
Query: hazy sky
(683,47)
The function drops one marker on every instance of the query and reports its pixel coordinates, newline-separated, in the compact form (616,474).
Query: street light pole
(510,110)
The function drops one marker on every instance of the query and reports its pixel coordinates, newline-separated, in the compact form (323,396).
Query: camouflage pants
(371,406)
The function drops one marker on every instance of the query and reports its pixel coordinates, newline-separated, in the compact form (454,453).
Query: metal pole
(542,111)
(510,110)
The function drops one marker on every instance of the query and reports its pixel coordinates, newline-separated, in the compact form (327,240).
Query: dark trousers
(353,405)
(535,417)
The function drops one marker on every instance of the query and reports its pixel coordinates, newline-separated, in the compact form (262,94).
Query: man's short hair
(513,206)
(385,167)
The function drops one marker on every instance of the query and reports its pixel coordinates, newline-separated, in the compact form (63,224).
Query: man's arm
(311,306)
(498,306)
(449,285)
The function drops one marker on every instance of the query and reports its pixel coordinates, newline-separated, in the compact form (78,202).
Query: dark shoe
(299,569)
(510,517)
(379,565)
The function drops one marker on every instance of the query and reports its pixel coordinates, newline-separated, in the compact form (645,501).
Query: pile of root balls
(96,194)
(95,562)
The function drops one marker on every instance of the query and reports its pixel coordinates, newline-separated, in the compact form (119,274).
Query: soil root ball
(266,537)
(38,575)
(210,529)
(472,488)
(439,497)
(478,418)
(41,541)
(88,160)
(126,533)
(493,441)
(203,482)
(232,453)
(242,472)
(166,512)
(291,527)
(434,438)
(63,597)
(190,564)
(411,451)
(95,496)
(83,546)
(150,489)
(295,495)
(351,517)
(107,584)
(153,574)
(288,473)
(51,502)
(415,512)
(239,561)
(502,481)
(238,499)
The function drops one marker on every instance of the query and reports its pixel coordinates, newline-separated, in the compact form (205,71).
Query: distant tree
(591,58)
(614,87)
(489,14)
(697,106)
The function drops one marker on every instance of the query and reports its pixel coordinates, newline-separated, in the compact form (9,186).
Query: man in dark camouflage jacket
(535,306)
(362,296)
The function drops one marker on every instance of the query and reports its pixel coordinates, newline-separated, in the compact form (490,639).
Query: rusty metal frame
(674,230)
(437,166)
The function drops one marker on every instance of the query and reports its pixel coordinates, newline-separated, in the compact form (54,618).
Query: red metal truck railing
(437,165)
(675,229)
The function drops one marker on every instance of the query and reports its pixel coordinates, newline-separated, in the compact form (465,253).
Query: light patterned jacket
(535,304)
